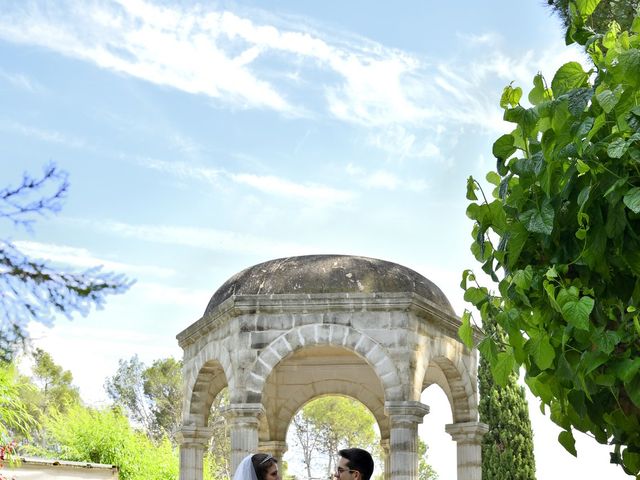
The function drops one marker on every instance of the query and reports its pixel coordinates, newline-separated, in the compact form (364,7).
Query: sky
(203,138)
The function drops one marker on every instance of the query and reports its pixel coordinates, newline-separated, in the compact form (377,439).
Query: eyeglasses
(340,471)
(268,457)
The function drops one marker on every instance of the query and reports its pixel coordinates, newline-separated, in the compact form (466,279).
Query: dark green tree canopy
(507,448)
(607,11)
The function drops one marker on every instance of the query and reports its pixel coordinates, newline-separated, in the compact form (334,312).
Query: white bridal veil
(245,470)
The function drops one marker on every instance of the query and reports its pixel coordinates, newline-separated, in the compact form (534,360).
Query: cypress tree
(507,448)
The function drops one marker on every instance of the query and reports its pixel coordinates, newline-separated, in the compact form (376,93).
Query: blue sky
(201,139)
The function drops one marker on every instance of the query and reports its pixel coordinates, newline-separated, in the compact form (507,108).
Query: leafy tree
(219,451)
(105,436)
(163,386)
(622,11)
(54,384)
(126,389)
(507,448)
(33,289)
(152,396)
(425,470)
(50,388)
(561,236)
(14,416)
(330,423)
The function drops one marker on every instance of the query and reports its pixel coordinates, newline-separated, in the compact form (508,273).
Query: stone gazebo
(284,332)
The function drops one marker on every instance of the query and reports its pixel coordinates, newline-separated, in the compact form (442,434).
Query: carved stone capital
(467,432)
(190,435)
(406,412)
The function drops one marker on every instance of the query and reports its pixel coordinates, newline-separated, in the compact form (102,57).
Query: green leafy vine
(560,234)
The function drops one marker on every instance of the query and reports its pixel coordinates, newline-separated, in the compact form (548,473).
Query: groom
(354,464)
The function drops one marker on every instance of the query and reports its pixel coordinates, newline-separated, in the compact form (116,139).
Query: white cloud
(45,135)
(398,97)
(307,192)
(400,143)
(482,39)
(183,170)
(21,81)
(83,258)
(384,179)
(205,238)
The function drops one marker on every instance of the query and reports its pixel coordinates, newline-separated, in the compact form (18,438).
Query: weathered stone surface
(284,332)
(327,274)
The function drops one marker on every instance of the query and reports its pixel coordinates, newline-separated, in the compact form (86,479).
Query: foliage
(425,471)
(563,224)
(327,424)
(14,416)
(152,396)
(163,386)
(105,436)
(32,289)
(49,389)
(219,451)
(622,11)
(507,448)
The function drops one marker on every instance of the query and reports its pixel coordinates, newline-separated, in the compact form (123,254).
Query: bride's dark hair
(261,463)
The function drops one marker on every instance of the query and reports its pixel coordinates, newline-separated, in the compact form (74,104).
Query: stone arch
(452,376)
(209,373)
(320,322)
(333,335)
(333,387)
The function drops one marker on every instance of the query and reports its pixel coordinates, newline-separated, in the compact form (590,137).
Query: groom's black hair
(360,460)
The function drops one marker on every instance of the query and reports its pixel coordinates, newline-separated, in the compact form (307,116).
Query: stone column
(404,418)
(384,444)
(468,436)
(193,442)
(243,420)
(275,448)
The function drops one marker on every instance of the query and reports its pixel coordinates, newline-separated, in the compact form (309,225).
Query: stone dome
(309,274)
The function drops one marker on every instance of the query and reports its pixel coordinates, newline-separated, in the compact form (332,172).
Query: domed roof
(328,274)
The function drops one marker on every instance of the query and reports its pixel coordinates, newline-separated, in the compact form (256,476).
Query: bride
(260,466)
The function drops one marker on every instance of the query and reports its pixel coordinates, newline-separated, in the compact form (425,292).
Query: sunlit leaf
(465,331)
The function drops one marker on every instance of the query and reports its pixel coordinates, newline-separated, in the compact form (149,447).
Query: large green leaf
(465,331)
(568,442)
(577,313)
(630,458)
(471,189)
(578,100)
(632,199)
(617,148)
(503,367)
(538,93)
(542,351)
(503,148)
(607,100)
(539,220)
(569,76)
(629,64)
(587,7)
